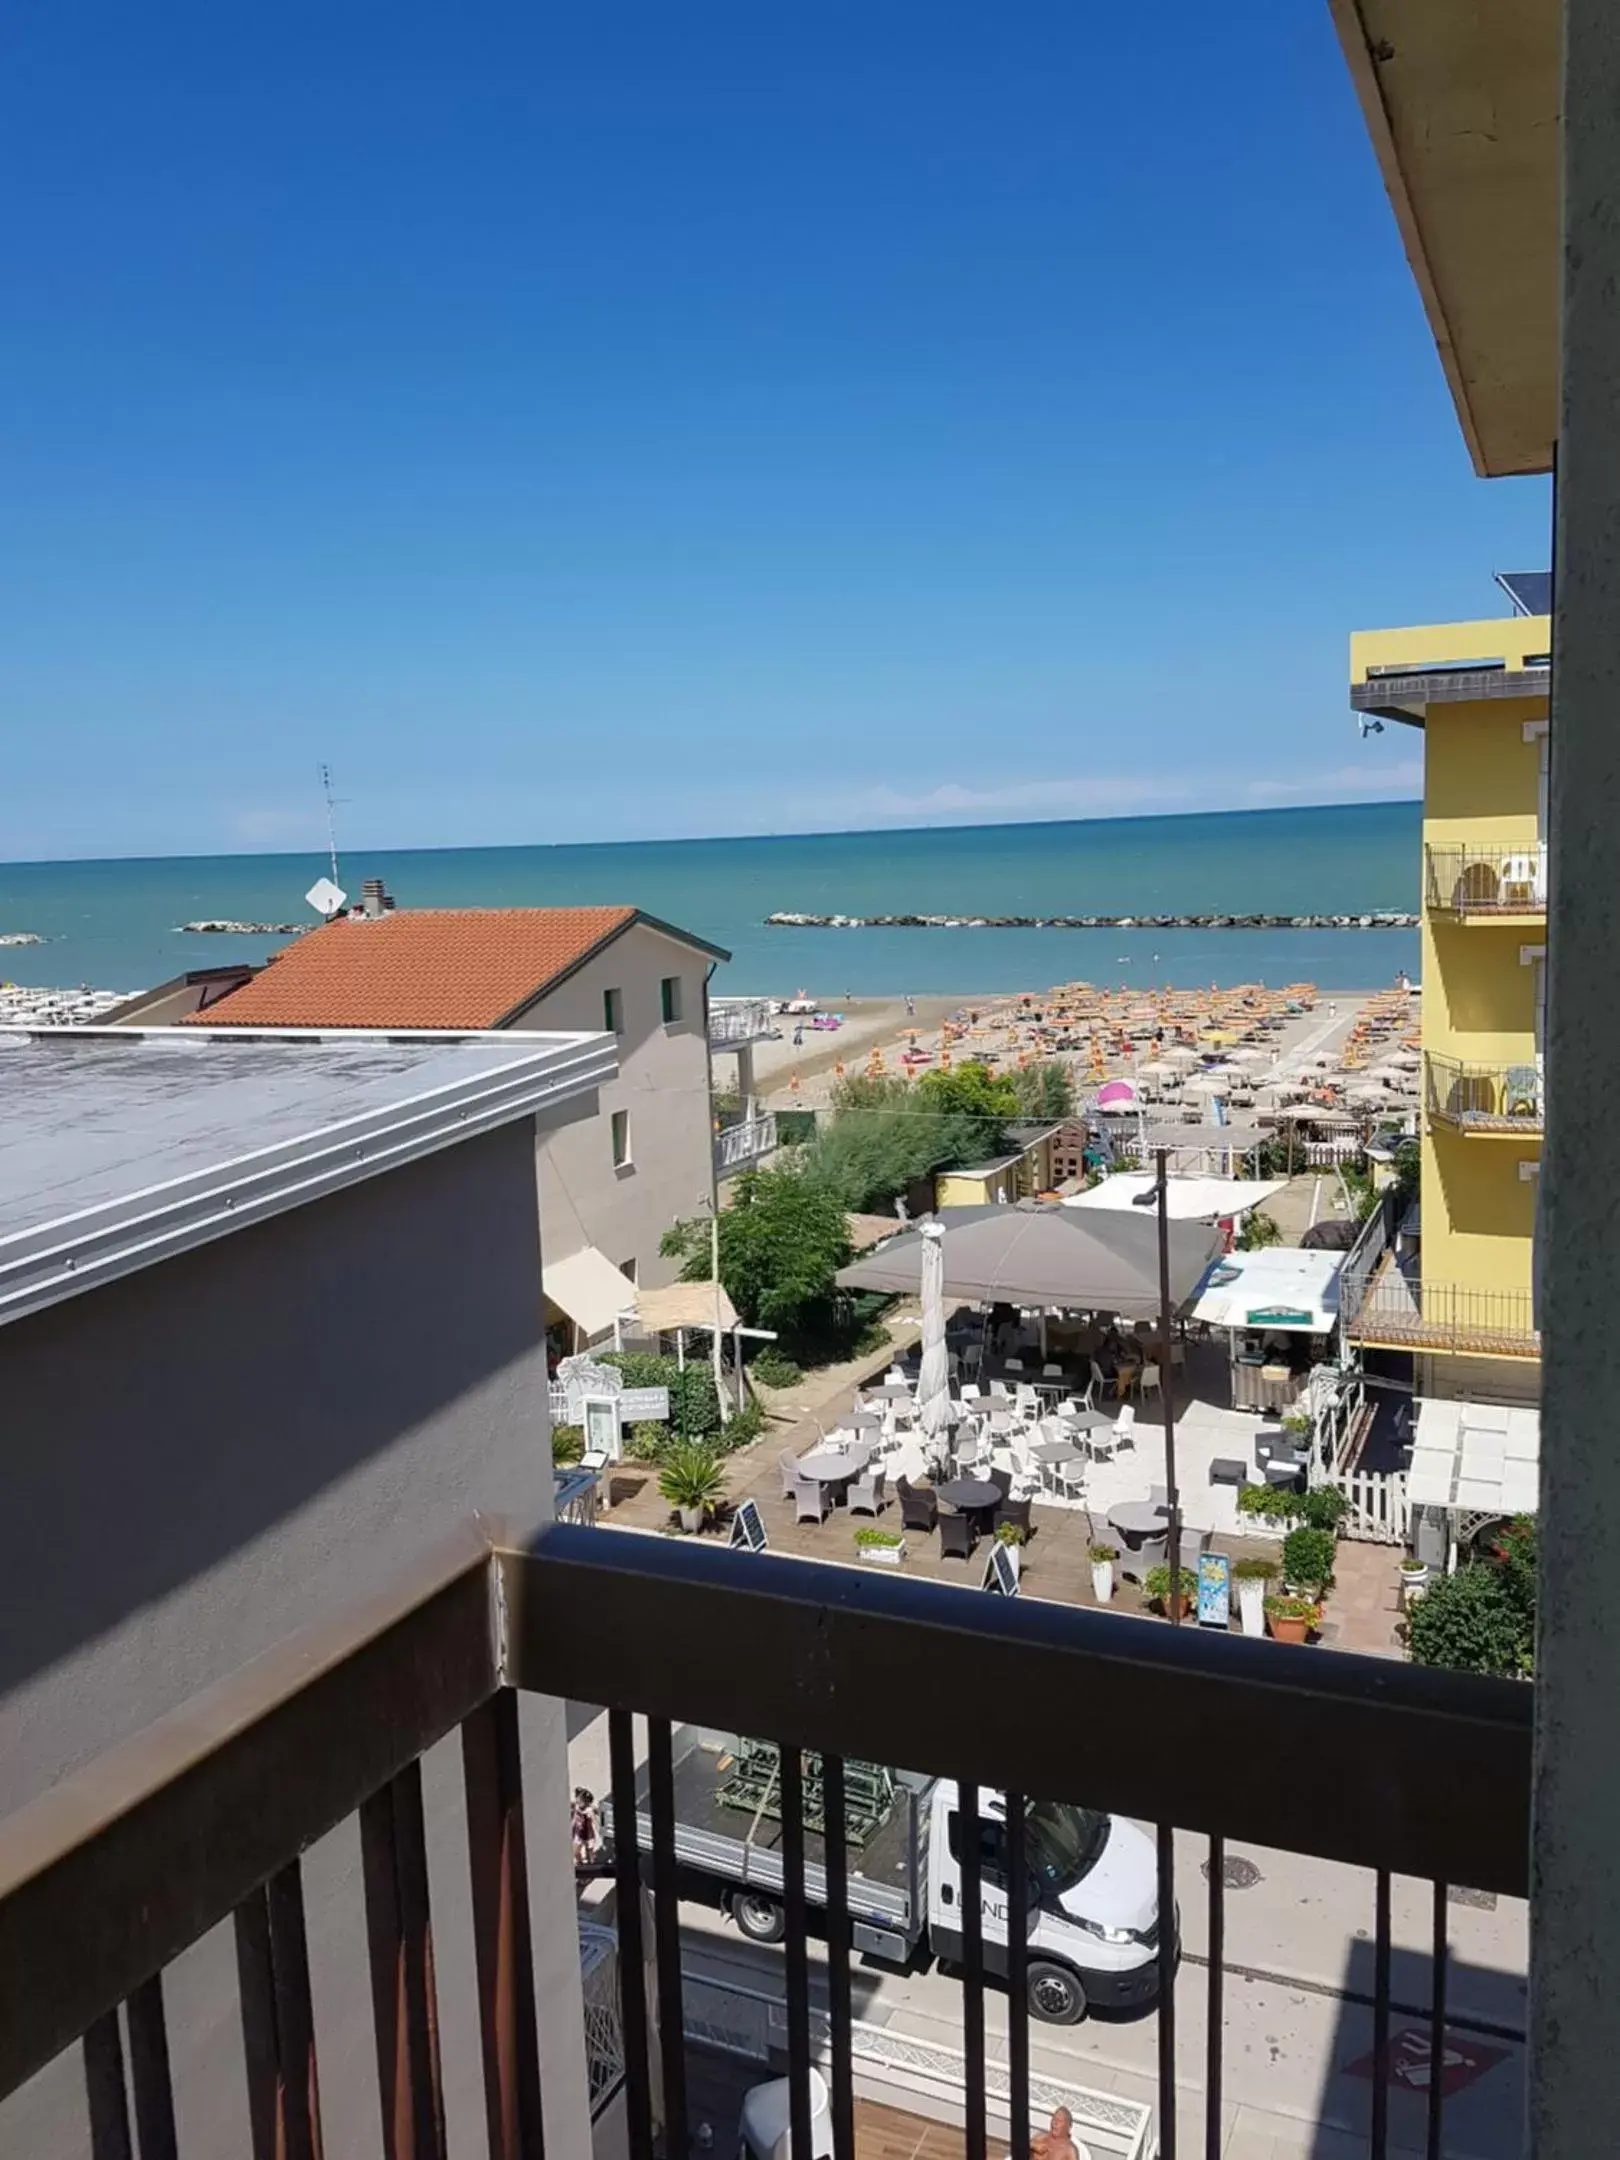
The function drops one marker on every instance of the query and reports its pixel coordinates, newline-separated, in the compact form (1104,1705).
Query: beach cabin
(1026,1170)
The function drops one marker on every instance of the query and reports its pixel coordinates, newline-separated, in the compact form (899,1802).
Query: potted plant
(692,1480)
(1324,1507)
(1292,1618)
(884,1548)
(1270,1503)
(1102,1572)
(1414,1581)
(1156,1582)
(1251,1577)
(1307,1559)
(1012,1535)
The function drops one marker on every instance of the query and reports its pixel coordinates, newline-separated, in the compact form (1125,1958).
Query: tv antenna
(331,820)
(326,895)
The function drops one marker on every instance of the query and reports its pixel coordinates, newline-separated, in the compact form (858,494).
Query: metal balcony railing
(1472,882)
(735,1021)
(1493,1099)
(1401,1311)
(203,1818)
(735,1146)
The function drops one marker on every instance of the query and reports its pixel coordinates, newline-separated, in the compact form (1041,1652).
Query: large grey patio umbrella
(1033,1254)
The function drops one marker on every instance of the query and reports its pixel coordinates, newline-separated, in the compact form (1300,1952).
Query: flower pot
(691,1519)
(1294,1631)
(883,1555)
(1252,1605)
(1414,1581)
(1102,1580)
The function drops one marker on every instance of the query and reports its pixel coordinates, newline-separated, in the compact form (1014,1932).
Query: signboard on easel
(1001,1572)
(597,1400)
(1214,1590)
(747,1529)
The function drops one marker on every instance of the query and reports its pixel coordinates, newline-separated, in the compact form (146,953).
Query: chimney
(375,900)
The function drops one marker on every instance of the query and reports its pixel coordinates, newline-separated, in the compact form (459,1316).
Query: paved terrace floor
(1361,1614)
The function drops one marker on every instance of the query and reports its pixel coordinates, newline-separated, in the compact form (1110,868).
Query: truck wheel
(758,1916)
(1055,1994)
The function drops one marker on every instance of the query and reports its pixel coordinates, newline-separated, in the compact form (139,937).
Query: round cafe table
(1138,1519)
(970,1495)
(831,1466)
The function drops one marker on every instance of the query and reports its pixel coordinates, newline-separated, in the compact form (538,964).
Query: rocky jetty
(20,937)
(1379,919)
(223,928)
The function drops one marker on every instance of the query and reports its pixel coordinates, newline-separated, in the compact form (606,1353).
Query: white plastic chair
(1125,1426)
(1148,1382)
(1015,1364)
(970,1391)
(765,2131)
(1000,1391)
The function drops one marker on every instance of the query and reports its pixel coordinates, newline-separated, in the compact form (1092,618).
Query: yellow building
(1479,692)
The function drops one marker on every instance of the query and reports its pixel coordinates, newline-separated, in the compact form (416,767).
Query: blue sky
(628,420)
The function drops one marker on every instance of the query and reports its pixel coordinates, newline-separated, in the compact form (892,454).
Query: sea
(114,924)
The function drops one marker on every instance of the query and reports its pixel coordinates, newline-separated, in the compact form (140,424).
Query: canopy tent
(1035,1254)
(1279,1288)
(589,1289)
(1484,1458)
(1191,1199)
(1239,1138)
(680,1305)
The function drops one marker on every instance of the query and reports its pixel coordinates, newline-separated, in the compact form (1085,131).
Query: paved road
(1295,2007)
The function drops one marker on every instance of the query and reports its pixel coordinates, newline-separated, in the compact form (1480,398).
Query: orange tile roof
(419,968)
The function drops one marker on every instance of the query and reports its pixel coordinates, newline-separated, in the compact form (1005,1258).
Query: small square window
(620,1126)
(613,1011)
(670,992)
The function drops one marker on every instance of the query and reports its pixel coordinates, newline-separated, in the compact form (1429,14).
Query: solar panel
(1529,590)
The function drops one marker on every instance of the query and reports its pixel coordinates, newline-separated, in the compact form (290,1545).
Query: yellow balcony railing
(1401,1311)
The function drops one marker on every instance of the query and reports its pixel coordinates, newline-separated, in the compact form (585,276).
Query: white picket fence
(1379,1513)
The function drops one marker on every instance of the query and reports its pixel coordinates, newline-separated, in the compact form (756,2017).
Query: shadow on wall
(230,1397)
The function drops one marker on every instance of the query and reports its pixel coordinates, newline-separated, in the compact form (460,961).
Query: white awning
(1276,1290)
(589,1289)
(1191,1199)
(1481,1458)
(683,1305)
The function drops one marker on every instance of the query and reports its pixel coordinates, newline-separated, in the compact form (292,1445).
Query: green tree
(1044,1091)
(1259,1230)
(782,1242)
(1483,1618)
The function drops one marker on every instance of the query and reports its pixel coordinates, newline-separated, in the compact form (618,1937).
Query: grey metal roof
(119,1147)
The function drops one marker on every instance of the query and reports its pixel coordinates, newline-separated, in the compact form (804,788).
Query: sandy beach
(884,1024)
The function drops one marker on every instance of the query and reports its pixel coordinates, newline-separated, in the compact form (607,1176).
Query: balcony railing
(1485,1099)
(203,1818)
(1481,883)
(1398,1311)
(735,1146)
(735,1021)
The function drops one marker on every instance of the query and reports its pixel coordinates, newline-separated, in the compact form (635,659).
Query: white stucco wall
(663,1083)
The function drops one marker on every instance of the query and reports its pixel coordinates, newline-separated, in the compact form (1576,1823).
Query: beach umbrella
(1156,1069)
(933,1379)
(1116,1098)
(1182,1054)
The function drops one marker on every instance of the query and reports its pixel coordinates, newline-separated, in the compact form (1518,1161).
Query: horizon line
(852,832)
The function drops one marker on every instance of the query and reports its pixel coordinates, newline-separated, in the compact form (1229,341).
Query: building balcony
(114,1874)
(736,1147)
(1485,1101)
(1393,1310)
(735,1022)
(1476,885)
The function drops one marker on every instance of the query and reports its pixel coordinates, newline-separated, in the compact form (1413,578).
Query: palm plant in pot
(1102,1572)
(692,1480)
(1156,1583)
(1251,1577)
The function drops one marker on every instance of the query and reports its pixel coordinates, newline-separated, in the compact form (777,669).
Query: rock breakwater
(1377,919)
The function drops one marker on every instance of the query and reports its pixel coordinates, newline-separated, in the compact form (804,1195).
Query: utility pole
(1167,1387)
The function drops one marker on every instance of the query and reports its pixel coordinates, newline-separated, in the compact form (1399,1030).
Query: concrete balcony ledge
(737,1146)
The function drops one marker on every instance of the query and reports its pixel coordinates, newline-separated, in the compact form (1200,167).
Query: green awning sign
(1280,1316)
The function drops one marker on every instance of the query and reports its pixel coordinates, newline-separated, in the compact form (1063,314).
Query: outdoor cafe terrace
(1055,1562)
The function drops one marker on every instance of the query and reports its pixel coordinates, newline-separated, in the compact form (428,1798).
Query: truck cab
(1093,1902)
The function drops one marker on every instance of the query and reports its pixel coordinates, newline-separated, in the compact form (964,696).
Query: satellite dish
(325,897)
